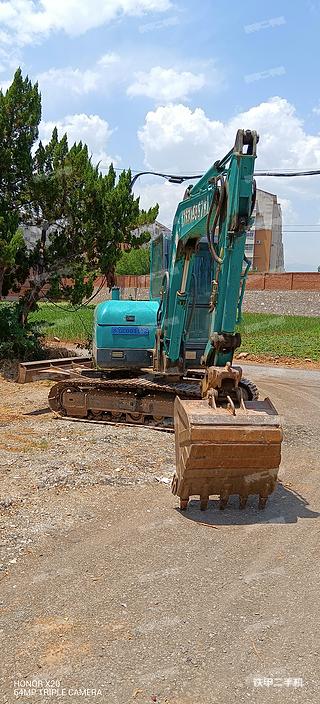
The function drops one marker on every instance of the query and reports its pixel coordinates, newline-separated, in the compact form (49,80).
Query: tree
(134,262)
(318,269)
(83,216)
(20,113)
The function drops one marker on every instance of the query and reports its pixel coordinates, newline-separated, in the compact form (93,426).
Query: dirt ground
(268,360)
(108,593)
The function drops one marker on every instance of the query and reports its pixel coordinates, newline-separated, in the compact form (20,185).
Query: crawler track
(142,400)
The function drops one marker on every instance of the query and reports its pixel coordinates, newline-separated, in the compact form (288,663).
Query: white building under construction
(264,246)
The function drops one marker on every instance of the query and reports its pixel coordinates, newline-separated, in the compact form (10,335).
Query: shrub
(134,262)
(17,342)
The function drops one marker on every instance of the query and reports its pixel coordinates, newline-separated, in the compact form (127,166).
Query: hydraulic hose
(254,196)
(159,313)
(211,230)
(194,298)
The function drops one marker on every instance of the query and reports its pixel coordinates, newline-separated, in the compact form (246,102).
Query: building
(32,233)
(156,229)
(264,246)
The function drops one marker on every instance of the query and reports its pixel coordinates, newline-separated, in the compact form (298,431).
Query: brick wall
(133,281)
(295,281)
(306,282)
(272,281)
(255,281)
(292,281)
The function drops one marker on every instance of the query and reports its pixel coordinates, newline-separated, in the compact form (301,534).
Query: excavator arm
(225,443)
(219,207)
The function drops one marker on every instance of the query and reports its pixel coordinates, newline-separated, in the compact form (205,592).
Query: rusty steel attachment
(54,369)
(225,446)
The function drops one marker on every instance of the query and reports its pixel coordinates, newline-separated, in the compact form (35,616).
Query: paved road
(143,603)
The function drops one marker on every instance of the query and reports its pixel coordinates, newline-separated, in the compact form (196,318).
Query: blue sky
(165,84)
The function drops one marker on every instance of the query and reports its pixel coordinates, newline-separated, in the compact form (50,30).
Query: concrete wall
(276,251)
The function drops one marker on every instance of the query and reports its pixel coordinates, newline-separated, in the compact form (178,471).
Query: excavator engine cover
(226,450)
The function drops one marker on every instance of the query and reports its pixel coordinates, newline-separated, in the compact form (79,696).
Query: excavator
(170,359)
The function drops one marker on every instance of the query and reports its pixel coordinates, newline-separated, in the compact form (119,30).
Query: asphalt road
(134,601)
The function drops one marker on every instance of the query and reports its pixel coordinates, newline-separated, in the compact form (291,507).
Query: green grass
(262,334)
(58,321)
(281,335)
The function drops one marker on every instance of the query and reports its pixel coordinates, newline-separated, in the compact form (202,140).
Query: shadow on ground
(284,506)
(39,412)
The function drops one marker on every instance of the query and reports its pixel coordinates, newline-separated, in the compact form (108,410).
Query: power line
(180,178)
(286,174)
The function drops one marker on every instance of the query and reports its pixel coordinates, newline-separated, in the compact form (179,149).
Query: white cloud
(78,81)
(168,195)
(111,70)
(108,60)
(10,55)
(90,129)
(25,20)
(70,79)
(166,84)
(4,85)
(172,21)
(288,212)
(176,139)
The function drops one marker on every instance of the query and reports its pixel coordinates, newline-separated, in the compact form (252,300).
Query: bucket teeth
(242,501)
(184,504)
(224,498)
(262,502)
(204,503)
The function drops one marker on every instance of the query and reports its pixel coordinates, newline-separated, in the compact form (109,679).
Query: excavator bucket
(226,450)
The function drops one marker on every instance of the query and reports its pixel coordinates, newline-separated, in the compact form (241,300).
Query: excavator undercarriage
(227,441)
(146,399)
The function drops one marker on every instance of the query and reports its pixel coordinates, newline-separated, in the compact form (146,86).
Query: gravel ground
(106,586)
(283,302)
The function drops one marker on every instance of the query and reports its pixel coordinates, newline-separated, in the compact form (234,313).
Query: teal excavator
(170,358)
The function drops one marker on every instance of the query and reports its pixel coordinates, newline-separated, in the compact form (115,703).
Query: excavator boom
(226,443)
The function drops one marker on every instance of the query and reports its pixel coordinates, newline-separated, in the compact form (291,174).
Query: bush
(134,262)
(17,342)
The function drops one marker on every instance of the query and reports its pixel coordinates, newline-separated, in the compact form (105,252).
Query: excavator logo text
(196,211)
